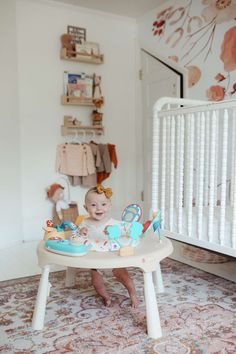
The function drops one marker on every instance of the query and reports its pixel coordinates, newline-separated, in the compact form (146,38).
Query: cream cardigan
(75,160)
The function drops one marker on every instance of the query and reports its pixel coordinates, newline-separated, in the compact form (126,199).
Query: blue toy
(114,234)
(69,224)
(65,247)
(59,228)
(135,230)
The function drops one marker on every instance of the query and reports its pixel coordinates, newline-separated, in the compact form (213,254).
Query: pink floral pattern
(195,33)
(218,11)
(216,93)
(219,77)
(228,57)
(160,22)
(197,314)
(228,49)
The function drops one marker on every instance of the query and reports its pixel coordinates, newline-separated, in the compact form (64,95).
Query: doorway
(158,79)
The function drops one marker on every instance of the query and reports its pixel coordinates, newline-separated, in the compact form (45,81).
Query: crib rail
(194,171)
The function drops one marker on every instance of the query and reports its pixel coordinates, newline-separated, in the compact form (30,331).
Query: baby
(98,205)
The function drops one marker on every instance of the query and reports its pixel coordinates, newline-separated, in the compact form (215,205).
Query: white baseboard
(8,244)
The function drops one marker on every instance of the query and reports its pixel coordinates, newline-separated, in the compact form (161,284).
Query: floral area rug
(197,311)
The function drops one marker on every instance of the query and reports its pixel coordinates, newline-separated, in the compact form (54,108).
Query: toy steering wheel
(132,212)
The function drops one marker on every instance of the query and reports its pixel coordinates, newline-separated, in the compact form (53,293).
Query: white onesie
(97,235)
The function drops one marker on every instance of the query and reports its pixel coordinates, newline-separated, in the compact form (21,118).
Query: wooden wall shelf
(76,101)
(83,129)
(79,57)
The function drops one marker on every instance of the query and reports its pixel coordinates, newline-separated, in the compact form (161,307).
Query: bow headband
(107,191)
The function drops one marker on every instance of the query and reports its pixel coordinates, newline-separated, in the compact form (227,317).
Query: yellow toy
(51,233)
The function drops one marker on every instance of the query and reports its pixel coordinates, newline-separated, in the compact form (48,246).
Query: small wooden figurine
(67,42)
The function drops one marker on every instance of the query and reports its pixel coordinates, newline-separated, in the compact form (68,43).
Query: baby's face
(97,205)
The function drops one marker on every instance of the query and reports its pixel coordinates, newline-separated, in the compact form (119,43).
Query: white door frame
(171,64)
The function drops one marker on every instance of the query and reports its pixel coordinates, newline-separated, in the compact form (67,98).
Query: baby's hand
(83,231)
(105,230)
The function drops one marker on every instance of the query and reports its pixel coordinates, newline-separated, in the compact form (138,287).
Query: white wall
(40,81)
(10,186)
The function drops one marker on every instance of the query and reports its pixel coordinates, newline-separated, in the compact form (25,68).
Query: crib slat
(196,162)
(177,162)
(180,171)
(163,171)
(212,176)
(172,172)
(177,178)
(186,157)
(207,152)
(189,172)
(167,187)
(233,182)
(223,176)
(216,155)
(155,161)
(200,175)
(233,152)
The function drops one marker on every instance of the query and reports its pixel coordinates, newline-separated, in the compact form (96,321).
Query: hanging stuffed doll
(56,194)
(64,210)
(97,92)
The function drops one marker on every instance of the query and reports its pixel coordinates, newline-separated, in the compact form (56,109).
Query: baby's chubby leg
(122,276)
(99,286)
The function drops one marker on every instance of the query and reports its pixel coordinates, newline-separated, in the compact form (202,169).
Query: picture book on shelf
(78,85)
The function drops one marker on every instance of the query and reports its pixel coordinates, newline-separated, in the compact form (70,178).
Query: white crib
(194,172)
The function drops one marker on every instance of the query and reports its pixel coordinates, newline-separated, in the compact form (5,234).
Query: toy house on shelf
(74,47)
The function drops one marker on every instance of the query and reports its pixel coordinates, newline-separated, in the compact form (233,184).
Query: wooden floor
(21,261)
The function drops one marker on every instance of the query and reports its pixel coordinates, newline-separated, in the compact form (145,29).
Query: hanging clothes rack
(83,129)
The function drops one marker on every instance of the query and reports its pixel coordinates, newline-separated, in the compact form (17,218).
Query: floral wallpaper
(200,35)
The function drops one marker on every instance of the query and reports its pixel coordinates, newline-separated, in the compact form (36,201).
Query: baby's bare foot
(107,301)
(134,301)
